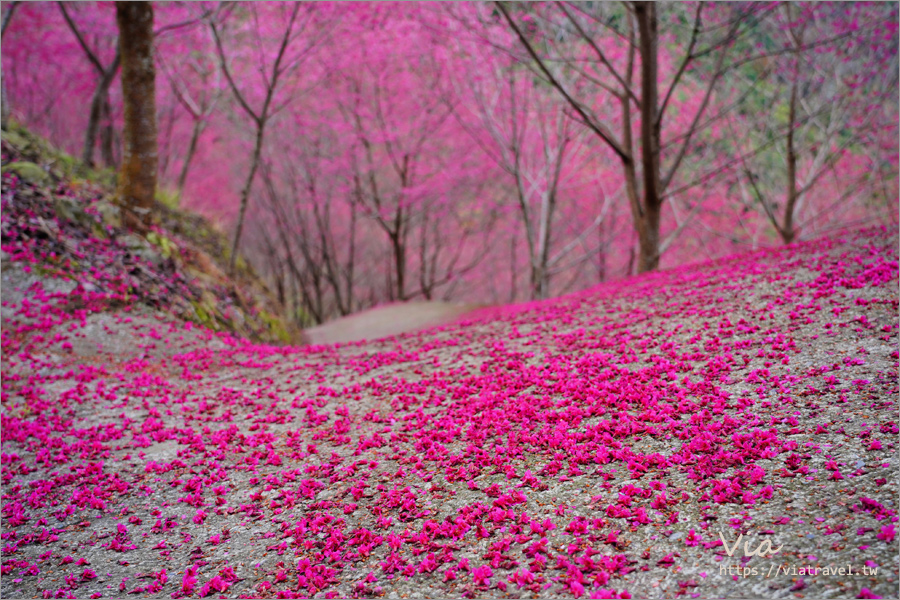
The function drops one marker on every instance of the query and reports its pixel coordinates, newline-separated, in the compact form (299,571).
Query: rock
(141,248)
(28,171)
(68,209)
(111,214)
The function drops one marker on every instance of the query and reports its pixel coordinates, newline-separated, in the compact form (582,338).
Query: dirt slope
(64,220)
(593,446)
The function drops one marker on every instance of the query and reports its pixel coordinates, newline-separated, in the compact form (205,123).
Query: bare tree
(101,109)
(137,179)
(392,160)
(573,38)
(815,116)
(530,138)
(340,208)
(322,266)
(282,66)
(384,202)
(199,105)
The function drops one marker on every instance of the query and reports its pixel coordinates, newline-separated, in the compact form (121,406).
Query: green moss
(69,209)
(60,164)
(276,326)
(205,315)
(167,247)
(15,138)
(47,271)
(105,177)
(110,213)
(28,171)
(67,163)
(171,199)
(303,318)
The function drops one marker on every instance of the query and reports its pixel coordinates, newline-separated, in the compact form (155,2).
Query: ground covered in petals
(600,445)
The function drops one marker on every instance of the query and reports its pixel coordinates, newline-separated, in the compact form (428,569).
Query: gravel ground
(597,445)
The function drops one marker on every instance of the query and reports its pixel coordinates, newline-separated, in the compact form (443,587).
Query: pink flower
(189,580)
(481,575)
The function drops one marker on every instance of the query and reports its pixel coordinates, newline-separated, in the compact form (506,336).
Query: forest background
(365,153)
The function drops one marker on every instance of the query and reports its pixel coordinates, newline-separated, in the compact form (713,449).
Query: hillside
(63,220)
(597,445)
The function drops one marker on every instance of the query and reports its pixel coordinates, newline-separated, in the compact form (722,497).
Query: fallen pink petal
(463,300)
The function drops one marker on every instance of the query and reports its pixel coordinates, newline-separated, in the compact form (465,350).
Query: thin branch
(625,87)
(674,235)
(788,50)
(224,65)
(597,128)
(8,16)
(688,57)
(180,24)
(180,94)
(577,6)
(601,216)
(90,54)
(699,114)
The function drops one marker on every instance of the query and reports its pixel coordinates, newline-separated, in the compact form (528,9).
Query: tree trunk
(787,230)
(4,103)
(192,148)
(90,134)
(399,252)
(601,265)
(645,13)
(648,239)
(245,195)
(106,134)
(540,274)
(100,97)
(513,272)
(137,178)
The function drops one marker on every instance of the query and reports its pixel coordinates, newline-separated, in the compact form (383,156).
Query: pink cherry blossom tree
(485,152)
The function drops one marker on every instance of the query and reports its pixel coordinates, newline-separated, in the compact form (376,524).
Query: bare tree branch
(8,16)
(87,51)
(598,128)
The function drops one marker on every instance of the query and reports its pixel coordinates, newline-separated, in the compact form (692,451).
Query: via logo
(747,552)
